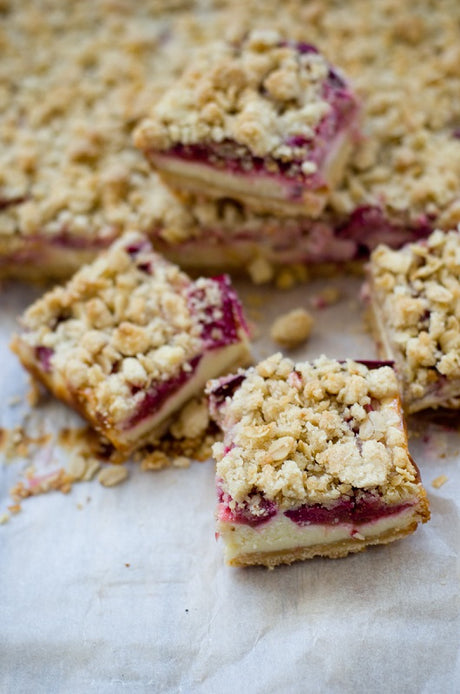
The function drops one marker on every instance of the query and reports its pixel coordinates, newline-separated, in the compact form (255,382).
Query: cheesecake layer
(279,537)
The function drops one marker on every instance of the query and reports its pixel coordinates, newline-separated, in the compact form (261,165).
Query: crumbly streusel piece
(414,298)
(314,461)
(131,338)
(264,120)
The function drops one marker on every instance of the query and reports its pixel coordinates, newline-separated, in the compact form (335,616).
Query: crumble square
(130,339)
(314,461)
(264,120)
(414,299)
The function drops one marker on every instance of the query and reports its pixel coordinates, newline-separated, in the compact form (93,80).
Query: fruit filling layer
(352,511)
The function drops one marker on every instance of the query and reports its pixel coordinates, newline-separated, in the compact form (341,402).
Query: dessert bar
(314,461)
(264,120)
(414,302)
(131,338)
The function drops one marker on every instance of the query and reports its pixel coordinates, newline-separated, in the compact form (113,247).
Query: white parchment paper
(125,589)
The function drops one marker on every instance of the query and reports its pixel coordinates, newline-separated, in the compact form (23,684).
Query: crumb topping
(121,324)
(259,93)
(417,290)
(71,96)
(307,433)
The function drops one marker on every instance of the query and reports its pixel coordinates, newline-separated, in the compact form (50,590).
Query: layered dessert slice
(414,307)
(130,339)
(314,461)
(210,234)
(267,121)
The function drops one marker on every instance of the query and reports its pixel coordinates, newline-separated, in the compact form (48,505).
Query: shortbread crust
(131,338)
(321,444)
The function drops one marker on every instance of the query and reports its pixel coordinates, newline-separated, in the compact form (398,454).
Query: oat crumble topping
(71,95)
(306,433)
(418,291)
(257,93)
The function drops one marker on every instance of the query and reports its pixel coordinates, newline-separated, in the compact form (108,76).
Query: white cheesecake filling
(193,175)
(280,533)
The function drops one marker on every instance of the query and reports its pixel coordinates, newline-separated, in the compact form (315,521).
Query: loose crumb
(260,271)
(14,508)
(4,518)
(112,475)
(181,461)
(157,460)
(439,481)
(326,298)
(286,279)
(292,329)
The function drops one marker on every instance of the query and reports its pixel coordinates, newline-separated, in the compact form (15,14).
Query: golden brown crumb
(4,518)
(157,460)
(292,329)
(260,270)
(439,481)
(112,475)
(325,298)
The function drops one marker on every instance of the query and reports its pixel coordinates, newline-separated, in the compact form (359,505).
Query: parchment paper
(125,589)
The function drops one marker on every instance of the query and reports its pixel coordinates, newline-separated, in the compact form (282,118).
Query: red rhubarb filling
(356,511)
(153,399)
(43,356)
(220,323)
(359,510)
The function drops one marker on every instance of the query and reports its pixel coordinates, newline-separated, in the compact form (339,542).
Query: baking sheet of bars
(125,589)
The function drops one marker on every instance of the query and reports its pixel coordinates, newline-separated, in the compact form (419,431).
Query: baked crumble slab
(314,461)
(414,299)
(264,120)
(130,339)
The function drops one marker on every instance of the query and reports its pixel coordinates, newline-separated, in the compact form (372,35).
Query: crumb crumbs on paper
(439,481)
(111,475)
(87,455)
(327,297)
(4,518)
(260,271)
(16,443)
(292,329)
